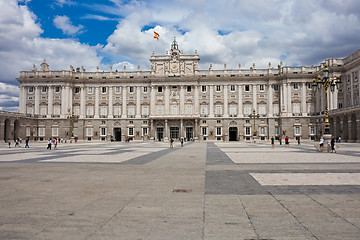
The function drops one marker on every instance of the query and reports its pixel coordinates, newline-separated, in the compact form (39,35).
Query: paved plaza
(146,190)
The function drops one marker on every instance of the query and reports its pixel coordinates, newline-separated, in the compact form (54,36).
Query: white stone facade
(176,100)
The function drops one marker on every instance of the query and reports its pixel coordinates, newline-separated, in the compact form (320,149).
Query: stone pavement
(209,190)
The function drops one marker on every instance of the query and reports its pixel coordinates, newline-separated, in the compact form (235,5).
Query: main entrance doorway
(160,133)
(233,133)
(174,132)
(189,133)
(117,134)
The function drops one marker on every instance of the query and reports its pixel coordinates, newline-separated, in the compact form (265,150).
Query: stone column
(196,100)
(255,98)
(335,98)
(63,102)
(110,113)
(240,103)
(226,104)
(152,101)
(282,99)
(138,103)
(196,130)
(181,128)
(124,90)
(166,130)
(152,130)
(22,100)
(50,102)
(211,113)
(182,100)
(303,100)
(97,102)
(37,100)
(270,100)
(70,98)
(167,100)
(289,106)
(82,102)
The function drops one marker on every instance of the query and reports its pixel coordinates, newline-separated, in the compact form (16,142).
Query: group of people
(172,142)
(332,143)
(287,141)
(18,141)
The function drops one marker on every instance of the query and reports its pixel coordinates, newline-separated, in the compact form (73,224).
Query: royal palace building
(176,99)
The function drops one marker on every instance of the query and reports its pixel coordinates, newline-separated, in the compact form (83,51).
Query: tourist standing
(273,142)
(9,142)
(27,143)
(182,142)
(321,144)
(49,144)
(332,143)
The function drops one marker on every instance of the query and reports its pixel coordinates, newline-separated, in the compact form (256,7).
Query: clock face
(174,67)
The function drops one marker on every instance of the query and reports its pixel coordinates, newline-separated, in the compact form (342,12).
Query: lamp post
(72,117)
(325,82)
(254,115)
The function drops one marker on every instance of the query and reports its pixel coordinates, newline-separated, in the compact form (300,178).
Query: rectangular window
(247,88)
(312,130)
(145,89)
(232,88)
(159,89)
(131,89)
(262,88)
(296,86)
(131,111)
(102,131)
(41,132)
(262,131)
(203,88)
(31,89)
(144,131)
(218,110)
(145,111)
(117,111)
(103,89)
(276,87)
(57,89)
(204,131)
(43,89)
(131,131)
(103,111)
(28,131)
(297,130)
(43,110)
(218,131)
(218,88)
(55,132)
(90,90)
(247,131)
(89,132)
(277,131)
(89,111)
(188,88)
(77,90)
(117,89)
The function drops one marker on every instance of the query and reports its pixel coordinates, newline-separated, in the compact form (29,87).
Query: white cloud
(66,26)
(61,3)
(21,46)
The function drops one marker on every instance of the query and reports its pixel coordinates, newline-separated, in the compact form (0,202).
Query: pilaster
(110,114)
(226,103)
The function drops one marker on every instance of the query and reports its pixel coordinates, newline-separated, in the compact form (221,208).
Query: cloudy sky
(102,33)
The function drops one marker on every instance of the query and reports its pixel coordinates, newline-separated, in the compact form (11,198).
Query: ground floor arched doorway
(7,130)
(233,133)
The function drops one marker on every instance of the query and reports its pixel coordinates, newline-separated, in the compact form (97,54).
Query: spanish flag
(156,35)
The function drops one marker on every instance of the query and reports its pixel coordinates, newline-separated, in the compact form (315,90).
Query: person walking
(55,143)
(273,142)
(171,143)
(332,143)
(49,144)
(298,140)
(287,143)
(9,142)
(182,142)
(321,144)
(27,143)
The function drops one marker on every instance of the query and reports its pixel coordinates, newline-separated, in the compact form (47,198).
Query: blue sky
(106,33)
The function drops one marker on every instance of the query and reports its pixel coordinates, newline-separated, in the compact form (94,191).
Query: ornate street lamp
(72,117)
(325,82)
(254,115)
